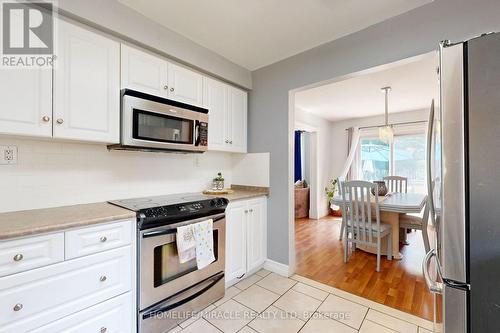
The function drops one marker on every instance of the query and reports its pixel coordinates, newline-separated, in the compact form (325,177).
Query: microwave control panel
(203,134)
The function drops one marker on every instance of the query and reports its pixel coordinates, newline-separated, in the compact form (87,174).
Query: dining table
(391,206)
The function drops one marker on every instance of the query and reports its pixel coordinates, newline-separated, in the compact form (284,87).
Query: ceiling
(414,85)
(257,33)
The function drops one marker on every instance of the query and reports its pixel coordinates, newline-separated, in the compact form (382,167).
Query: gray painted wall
(130,25)
(409,34)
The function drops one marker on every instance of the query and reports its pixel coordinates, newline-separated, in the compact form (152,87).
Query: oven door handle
(173,230)
(169,307)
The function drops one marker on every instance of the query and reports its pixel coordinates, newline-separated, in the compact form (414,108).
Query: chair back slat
(357,198)
(396,184)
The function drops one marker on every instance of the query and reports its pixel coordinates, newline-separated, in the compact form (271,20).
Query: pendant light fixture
(386,132)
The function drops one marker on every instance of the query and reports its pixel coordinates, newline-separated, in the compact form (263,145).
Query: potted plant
(218,182)
(331,190)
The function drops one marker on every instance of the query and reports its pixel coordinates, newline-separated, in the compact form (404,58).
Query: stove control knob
(212,203)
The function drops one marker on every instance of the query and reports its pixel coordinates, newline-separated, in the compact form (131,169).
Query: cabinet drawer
(91,240)
(31,299)
(113,316)
(27,253)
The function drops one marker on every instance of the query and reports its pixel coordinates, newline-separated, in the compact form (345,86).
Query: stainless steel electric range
(170,292)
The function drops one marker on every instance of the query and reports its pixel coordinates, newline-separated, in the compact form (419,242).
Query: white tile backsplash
(50,174)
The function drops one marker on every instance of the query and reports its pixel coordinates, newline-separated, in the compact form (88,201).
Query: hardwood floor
(399,284)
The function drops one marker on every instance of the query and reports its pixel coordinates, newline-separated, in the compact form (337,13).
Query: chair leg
(378,254)
(346,246)
(342,227)
(389,246)
(425,236)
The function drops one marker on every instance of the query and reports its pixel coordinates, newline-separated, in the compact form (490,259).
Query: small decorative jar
(218,182)
(382,189)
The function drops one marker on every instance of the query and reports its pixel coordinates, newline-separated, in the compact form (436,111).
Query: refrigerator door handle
(434,286)
(430,188)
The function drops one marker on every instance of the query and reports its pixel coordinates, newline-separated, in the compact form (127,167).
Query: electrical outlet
(8,155)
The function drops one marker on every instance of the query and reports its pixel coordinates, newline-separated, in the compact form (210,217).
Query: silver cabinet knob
(103,329)
(60,121)
(231,142)
(103,278)
(18,257)
(103,239)
(18,307)
(251,210)
(246,211)
(172,89)
(46,119)
(165,87)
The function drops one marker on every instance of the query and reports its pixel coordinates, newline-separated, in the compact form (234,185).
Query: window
(409,160)
(374,159)
(405,156)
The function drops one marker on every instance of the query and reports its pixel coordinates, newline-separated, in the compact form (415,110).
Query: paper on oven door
(186,244)
(204,237)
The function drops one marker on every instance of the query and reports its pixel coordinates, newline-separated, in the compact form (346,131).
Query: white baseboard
(278,268)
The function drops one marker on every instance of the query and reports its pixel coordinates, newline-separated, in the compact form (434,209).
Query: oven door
(150,124)
(161,275)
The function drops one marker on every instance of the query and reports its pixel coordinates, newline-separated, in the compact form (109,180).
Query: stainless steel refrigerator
(463,267)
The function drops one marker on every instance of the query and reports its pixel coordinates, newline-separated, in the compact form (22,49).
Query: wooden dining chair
(340,181)
(409,221)
(396,184)
(360,228)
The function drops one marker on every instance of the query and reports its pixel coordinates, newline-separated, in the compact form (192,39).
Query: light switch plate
(8,155)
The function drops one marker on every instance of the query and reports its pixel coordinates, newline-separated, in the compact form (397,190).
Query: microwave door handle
(197,133)
(169,307)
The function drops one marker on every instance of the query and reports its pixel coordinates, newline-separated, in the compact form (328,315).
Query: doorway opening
(327,110)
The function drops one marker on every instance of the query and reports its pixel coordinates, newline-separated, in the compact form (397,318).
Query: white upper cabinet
(227,127)
(143,72)
(184,85)
(153,75)
(86,86)
(238,120)
(26,102)
(216,101)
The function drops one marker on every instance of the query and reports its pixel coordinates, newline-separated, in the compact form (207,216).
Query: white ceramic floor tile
(274,320)
(393,323)
(247,282)
(371,327)
(298,304)
(276,283)
(263,272)
(310,291)
(256,298)
(423,330)
(201,326)
(345,311)
(200,314)
(176,329)
(230,317)
(313,283)
(247,329)
(321,324)
(230,293)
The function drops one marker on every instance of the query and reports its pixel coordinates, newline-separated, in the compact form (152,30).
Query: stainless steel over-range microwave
(153,123)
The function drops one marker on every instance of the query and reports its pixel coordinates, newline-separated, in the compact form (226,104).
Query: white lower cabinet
(246,238)
(91,293)
(112,316)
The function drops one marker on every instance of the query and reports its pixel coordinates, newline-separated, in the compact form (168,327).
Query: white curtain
(352,146)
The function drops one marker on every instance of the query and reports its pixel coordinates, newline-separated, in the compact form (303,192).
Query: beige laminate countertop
(242,192)
(37,221)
